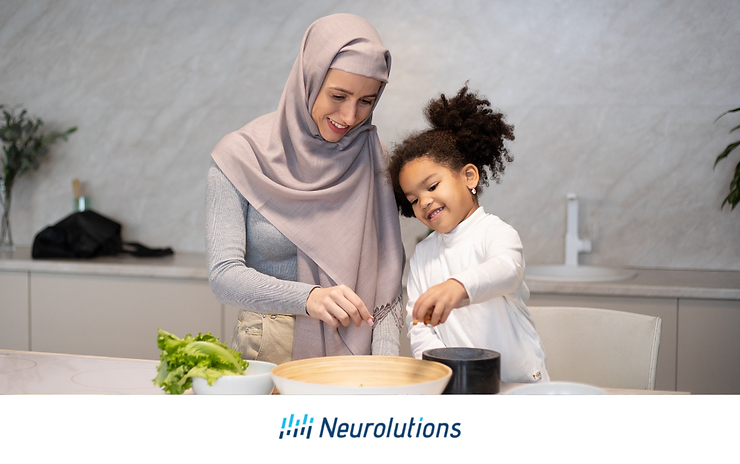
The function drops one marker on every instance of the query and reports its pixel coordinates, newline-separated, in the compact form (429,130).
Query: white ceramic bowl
(255,381)
(565,273)
(556,388)
(361,375)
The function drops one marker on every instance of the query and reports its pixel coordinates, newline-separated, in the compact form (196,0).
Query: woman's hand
(337,305)
(438,302)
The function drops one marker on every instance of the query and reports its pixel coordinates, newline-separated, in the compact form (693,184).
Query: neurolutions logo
(391,428)
(295,426)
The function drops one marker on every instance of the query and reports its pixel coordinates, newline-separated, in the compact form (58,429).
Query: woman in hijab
(301,227)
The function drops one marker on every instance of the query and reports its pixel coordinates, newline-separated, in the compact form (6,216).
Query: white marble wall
(614,100)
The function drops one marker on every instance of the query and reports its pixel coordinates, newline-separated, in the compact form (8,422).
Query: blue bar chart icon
(292,427)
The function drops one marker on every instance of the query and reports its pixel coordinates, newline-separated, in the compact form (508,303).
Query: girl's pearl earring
(472,190)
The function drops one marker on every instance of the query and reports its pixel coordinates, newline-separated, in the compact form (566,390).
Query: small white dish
(256,380)
(557,388)
(565,273)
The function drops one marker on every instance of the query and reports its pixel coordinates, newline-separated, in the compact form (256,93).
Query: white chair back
(602,347)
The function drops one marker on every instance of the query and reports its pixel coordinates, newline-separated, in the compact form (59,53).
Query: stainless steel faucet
(573,243)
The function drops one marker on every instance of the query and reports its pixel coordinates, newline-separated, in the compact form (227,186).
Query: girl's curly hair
(464,130)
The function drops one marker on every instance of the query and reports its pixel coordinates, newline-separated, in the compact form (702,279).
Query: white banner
(382,429)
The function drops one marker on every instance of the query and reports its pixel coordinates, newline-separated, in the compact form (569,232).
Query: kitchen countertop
(179,265)
(26,372)
(29,372)
(656,283)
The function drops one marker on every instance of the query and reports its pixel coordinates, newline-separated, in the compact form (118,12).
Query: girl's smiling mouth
(434,213)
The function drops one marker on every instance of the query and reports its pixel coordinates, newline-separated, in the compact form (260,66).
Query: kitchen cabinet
(700,348)
(106,306)
(14,310)
(708,346)
(117,316)
(665,308)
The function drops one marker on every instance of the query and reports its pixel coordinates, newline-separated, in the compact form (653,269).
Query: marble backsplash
(612,100)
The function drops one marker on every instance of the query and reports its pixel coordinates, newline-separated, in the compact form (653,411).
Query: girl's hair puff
(464,130)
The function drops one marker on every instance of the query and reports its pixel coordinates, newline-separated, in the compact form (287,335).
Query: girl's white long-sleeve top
(485,255)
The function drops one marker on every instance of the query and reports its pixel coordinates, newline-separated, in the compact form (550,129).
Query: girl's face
(344,101)
(440,197)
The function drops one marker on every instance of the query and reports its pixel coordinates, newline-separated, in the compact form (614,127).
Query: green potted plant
(734,197)
(23,146)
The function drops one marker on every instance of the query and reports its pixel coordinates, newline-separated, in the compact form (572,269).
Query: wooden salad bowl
(357,375)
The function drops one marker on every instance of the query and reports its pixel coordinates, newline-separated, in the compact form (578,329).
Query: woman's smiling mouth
(336,127)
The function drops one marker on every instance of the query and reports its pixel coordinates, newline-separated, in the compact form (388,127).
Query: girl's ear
(471,175)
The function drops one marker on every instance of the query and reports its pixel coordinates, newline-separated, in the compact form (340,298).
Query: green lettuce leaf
(202,356)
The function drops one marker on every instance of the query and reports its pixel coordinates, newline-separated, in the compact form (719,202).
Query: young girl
(466,278)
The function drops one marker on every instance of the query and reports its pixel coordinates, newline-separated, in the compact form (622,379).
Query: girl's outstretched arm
(501,273)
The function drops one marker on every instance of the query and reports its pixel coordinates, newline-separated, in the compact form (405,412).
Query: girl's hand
(337,305)
(439,300)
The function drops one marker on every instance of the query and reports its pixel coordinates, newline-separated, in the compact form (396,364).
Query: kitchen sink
(565,273)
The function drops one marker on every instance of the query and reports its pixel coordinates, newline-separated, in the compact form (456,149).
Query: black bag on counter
(87,234)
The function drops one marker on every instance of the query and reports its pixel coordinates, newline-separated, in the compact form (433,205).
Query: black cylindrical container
(474,370)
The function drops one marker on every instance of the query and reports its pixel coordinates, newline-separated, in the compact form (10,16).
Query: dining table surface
(31,372)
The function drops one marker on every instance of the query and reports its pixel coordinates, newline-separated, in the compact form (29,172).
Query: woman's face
(344,101)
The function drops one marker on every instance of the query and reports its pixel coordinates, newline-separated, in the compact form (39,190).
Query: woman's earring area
(473,191)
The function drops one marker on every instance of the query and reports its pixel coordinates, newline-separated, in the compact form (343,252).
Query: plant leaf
(727,151)
(727,112)
(23,144)
(734,197)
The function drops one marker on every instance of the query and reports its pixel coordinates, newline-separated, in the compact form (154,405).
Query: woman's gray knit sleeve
(386,338)
(232,281)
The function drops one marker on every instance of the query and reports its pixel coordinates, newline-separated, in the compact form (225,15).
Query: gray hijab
(332,200)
